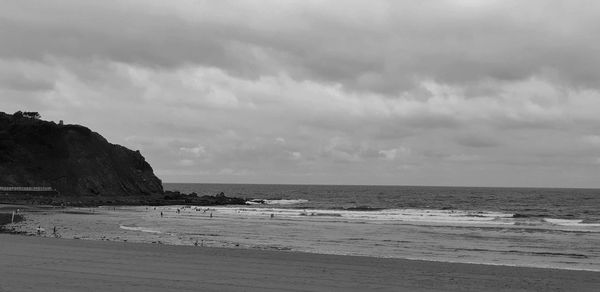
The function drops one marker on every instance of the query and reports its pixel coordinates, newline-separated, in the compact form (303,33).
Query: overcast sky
(477,93)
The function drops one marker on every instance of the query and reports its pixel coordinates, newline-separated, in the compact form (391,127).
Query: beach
(31,263)
(431,235)
(280,247)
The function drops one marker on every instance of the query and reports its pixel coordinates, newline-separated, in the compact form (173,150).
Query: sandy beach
(30,263)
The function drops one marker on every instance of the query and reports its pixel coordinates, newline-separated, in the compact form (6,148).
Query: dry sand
(29,263)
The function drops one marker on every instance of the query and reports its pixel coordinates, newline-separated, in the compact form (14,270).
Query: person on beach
(210,214)
(161,214)
(54,231)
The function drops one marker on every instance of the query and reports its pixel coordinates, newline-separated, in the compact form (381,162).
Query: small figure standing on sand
(272,215)
(54,231)
(210,214)
(161,214)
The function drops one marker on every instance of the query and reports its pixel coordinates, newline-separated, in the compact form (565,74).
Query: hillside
(71,159)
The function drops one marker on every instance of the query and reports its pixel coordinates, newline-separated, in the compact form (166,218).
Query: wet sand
(30,263)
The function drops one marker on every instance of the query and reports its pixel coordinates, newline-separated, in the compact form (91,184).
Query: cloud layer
(398,92)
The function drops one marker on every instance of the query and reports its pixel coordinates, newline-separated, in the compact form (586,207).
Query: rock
(72,159)
(178,198)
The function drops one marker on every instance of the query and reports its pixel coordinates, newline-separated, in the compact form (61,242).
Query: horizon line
(384,185)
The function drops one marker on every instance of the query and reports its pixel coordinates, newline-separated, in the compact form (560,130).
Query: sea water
(552,228)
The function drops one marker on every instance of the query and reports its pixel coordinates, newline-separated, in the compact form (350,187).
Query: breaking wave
(275,202)
(141,229)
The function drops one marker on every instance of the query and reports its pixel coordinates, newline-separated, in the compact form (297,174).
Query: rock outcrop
(178,198)
(72,159)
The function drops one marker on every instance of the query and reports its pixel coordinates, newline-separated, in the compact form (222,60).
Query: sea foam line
(141,229)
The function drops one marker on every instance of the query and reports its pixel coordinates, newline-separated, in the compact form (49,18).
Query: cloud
(400,92)
(394,43)
(296,155)
(196,151)
(477,140)
(394,153)
(593,140)
(185,162)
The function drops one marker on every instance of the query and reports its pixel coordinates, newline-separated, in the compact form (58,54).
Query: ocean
(533,227)
(569,204)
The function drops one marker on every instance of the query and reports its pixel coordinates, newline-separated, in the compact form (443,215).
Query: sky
(444,92)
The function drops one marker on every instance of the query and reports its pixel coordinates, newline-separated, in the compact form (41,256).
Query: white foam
(398,216)
(563,222)
(387,215)
(570,222)
(141,229)
(276,202)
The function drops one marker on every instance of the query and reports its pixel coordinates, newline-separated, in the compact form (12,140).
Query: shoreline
(83,230)
(32,261)
(24,234)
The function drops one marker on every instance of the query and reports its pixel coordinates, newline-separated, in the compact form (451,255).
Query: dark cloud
(477,140)
(444,41)
(413,92)
(25,83)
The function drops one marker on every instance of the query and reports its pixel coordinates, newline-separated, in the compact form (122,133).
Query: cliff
(72,159)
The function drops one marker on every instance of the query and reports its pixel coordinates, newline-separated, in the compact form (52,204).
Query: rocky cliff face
(70,158)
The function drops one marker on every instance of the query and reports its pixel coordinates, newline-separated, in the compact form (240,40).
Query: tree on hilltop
(31,115)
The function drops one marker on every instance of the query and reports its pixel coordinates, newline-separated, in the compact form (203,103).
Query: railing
(26,189)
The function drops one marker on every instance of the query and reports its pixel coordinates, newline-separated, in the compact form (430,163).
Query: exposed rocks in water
(78,163)
(177,198)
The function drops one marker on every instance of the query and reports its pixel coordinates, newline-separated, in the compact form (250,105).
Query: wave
(294,209)
(414,216)
(275,202)
(363,208)
(320,214)
(526,252)
(570,222)
(520,215)
(365,214)
(141,229)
